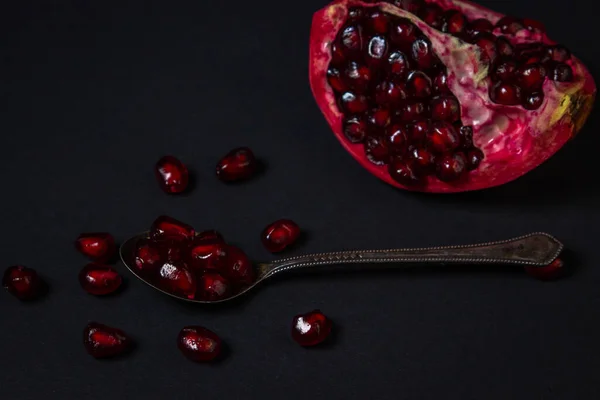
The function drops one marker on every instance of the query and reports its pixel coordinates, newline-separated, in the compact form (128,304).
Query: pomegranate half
(444,96)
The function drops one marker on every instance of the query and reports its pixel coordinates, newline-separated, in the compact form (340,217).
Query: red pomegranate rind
(513,140)
(199,344)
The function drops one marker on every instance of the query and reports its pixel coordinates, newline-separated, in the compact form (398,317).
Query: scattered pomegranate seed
(102,341)
(199,344)
(147,256)
(22,282)
(97,246)
(551,271)
(212,286)
(176,279)
(99,280)
(311,328)
(172,175)
(237,165)
(165,227)
(280,234)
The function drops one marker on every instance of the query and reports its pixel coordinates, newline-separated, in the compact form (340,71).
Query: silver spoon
(536,249)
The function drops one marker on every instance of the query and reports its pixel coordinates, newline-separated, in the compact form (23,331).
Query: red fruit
(212,286)
(377,22)
(206,253)
(165,227)
(377,50)
(102,341)
(442,137)
(97,246)
(199,344)
(357,77)
(147,256)
(237,267)
(22,282)
(172,175)
(518,121)
(280,234)
(175,278)
(397,138)
(99,279)
(311,328)
(404,172)
(549,272)
(211,234)
(237,165)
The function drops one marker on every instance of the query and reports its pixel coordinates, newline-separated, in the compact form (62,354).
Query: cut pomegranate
(311,328)
(552,271)
(397,76)
(147,256)
(172,175)
(97,246)
(165,227)
(99,279)
(22,282)
(102,341)
(199,344)
(212,286)
(280,234)
(175,278)
(239,164)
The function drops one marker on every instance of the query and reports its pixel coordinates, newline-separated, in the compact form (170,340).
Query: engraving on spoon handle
(536,249)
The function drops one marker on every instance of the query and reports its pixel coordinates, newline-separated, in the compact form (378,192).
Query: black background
(93,93)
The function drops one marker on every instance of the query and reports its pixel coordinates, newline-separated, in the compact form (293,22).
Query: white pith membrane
(514,140)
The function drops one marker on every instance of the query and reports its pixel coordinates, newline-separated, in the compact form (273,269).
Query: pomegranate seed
(22,282)
(379,118)
(206,253)
(311,328)
(397,138)
(549,272)
(504,71)
(376,150)
(172,175)
(237,165)
(466,137)
(505,93)
(510,25)
(237,266)
(337,55)
(97,246)
(279,235)
(147,256)
(487,42)
(377,50)
(504,47)
(212,286)
(533,25)
(351,41)
(419,84)
(99,280)
(403,173)
(445,108)
(172,250)
(562,73)
(176,279)
(355,129)
(335,80)
(450,167)
(440,83)
(531,77)
(479,25)
(474,158)
(533,101)
(431,14)
(102,341)
(403,33)
(390,93)
(377,22)
(442,137)
(411,111)
(412,6)
(423,161)
(211,234)
(199,344)
(353,103)
(357,76)
(165,227)
(422,53)
(398,64)
(454,22)
(355,14)
(559,53)
(418,131)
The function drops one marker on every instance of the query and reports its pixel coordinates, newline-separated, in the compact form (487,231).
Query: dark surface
(92,96)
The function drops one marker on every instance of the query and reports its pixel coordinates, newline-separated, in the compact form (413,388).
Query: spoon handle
(536,249)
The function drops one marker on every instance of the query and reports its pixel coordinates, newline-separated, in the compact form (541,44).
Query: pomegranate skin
(514,140)
(199,344)
(165,227)
(237,165)
(97,246)
(172,175)
(311,329)
(279,235)
(22,282)
(99,280)
(550,272)
(102,341)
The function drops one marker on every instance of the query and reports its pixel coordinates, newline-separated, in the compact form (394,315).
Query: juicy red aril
(450,167)
(474,158)
(534,25)
(22,282)
(510,25)
(412,6)
(466,137)
(549,272)
(353,103)
(199,344)
(355,129)
(454,22)
(403,33)
(147,256)
(440,83)
(311,328)
(559,53)
(423,161)
(99,280)
(97,246)
(237,165)
(102,341)
(280,234)
(432,15)
(211,234)
(533,101)
(172,249)
(388,93)
(237,266)
(357,77)
(165,227)
(445,108)
(419,84)
(377,22)
(403,172)
(212,286)
(376,150)
(504,48)
(398,64)
(504,71)
(479,25)
(397,138)
(351,41)
(442,137)
(487,42)
(172,175)
(335,79)
(379,118)
(422,53)
(505,93)
(412,110)
(206,253)
(175,278)
(418,131)
(562,73)
(377,50)
(531,77)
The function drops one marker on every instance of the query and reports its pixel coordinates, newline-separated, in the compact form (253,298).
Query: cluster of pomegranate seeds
(22,282)
(97,246)
(99,279)
(237,165)
(202,266)
(172,175)
(102,341)
(311,328)
(392,89)
(550,272)
(199,344)
(280,234)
